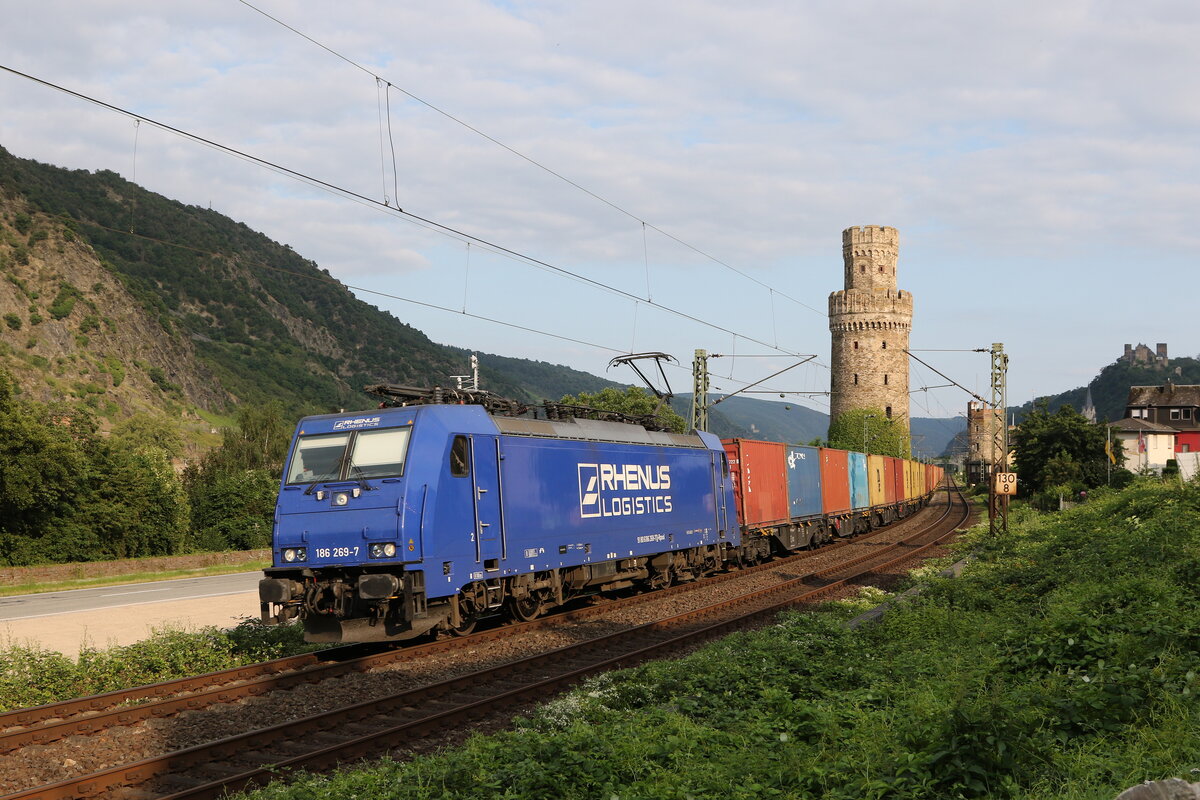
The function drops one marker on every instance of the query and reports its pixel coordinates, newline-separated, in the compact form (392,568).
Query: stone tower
(982,428)
(870,321)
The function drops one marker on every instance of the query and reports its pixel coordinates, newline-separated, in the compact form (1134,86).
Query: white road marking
(140,591)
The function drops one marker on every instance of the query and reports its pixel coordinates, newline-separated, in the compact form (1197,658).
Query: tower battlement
(857,301)
(869,254)
(869,322)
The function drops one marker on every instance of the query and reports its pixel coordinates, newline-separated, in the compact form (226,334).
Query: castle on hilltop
(869,322)
(1145,356)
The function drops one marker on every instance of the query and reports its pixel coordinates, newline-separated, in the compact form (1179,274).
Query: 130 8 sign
(1006,483)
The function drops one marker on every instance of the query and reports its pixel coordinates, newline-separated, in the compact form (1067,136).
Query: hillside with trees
(1110,389)
(108,285)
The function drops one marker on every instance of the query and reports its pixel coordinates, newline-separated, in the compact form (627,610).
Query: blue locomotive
(405,520)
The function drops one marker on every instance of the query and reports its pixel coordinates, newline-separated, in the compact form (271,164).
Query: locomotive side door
(720,471)
(489,513)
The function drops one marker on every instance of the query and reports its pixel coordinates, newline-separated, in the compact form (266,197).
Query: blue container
(804,481)
(860,487)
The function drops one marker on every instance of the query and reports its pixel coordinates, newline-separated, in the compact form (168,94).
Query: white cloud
(1038,142)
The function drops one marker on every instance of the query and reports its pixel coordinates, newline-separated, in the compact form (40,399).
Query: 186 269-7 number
(336,552)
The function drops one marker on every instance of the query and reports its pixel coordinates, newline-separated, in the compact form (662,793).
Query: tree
(259,440)
(1061,452)
(66,494)
(232,489)
(136,506)
(869,430)
(143,431)
(633,401)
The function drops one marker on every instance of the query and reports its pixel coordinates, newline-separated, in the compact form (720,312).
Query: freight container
(804,481)
(860,492)
(877,479)
(895,479)
(760,484)
(910,488)
(835,481)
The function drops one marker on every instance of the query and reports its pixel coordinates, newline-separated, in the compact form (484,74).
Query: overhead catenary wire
(396,209)
(329,280)
(335,282)
(616,207)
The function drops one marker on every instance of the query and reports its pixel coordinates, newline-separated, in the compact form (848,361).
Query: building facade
(1145,446)
(982,427)
(869,322)
(1171,405)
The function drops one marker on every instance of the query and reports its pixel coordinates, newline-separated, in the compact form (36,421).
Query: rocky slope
(131,301)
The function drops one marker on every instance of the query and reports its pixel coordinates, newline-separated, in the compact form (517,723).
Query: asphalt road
(120,615)
(30,606)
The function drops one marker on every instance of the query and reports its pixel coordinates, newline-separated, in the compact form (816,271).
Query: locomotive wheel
(662,579)
(467,627)
(525,608)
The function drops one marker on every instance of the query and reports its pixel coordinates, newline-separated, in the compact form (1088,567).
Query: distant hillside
(1110,388)
(197,310)
(776,421)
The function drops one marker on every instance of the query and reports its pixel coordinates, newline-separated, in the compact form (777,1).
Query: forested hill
(195,309)
(1110,389)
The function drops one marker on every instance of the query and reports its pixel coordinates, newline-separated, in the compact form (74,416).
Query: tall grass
(1063,664)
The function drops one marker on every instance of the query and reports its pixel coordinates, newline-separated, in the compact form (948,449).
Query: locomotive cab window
(460,457)
(318,458)
(379,453)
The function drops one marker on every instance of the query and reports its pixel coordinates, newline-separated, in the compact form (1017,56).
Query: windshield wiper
(362,481)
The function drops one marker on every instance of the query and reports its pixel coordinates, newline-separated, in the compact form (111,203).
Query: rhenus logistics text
(622,490)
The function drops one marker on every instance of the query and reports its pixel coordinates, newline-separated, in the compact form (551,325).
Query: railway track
(88,715)
(322,740)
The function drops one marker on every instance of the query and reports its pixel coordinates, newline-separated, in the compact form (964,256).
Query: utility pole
(998,503)
(699,418)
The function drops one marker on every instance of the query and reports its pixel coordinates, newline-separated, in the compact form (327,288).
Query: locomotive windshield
(372,454)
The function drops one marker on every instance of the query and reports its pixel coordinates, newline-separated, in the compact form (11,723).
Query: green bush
(32,676)
(64,301)
(12,321)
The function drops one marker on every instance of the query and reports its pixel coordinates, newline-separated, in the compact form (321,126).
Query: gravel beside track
(78,755)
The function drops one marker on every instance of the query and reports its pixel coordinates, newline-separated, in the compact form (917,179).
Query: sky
(666,176)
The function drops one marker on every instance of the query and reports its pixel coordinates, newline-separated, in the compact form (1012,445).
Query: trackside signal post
(997,496)
(699,418)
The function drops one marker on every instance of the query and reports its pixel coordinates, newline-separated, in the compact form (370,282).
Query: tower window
(881,270)
(888,412)
(856,379)
(885,383)
(856,345)
(863,269)
(885,345)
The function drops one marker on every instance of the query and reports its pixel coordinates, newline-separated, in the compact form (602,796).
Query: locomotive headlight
(291,554)
(341,498)
(382,550)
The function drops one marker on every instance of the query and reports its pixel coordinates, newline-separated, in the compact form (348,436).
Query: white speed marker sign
(1006,483)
